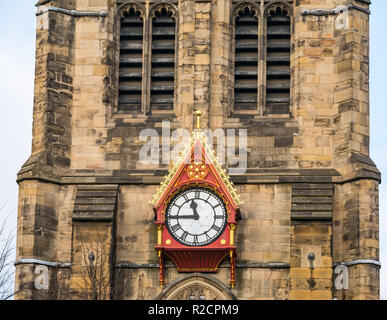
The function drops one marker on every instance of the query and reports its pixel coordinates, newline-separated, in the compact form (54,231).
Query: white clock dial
(196,217)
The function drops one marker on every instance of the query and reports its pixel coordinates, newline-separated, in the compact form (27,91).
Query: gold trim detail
(232,234)
(198,120)
(197,170)
(197,136)
(160,228)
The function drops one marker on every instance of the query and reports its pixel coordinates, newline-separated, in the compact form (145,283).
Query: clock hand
(187,217)
(193,206)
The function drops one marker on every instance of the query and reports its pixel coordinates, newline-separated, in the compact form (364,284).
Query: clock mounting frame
(197,167)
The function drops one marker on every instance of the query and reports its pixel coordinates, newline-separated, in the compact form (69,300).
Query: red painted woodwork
(197,170)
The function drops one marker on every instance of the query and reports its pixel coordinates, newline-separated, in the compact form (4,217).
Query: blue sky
(17,53)
(378,89)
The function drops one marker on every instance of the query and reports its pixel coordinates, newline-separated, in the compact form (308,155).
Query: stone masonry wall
(263,237)
(79,139)
(53,89)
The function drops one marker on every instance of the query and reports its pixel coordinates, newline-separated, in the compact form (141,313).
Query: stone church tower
(294,74)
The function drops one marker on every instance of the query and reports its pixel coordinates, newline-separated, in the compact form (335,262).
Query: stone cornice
(35,169)
(359,261)
(154,177)
(243,265)
(74,13)
(364,1)
(41,2)
(335,11)
(43,263)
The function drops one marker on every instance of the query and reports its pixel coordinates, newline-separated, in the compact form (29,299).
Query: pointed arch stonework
(196,287)
(282,6)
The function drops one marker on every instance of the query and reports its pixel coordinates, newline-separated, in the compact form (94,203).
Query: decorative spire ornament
(198,120)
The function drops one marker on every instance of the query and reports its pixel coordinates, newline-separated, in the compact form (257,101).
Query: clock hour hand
(193,206)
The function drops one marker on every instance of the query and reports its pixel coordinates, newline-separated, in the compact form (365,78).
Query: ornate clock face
(196,217)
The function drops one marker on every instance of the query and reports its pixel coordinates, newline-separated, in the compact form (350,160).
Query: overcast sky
(17,52)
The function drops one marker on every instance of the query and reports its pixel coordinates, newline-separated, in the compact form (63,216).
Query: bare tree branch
(96,271)
(6,255)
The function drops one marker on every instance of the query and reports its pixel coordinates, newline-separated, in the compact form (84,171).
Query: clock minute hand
(187,217)
(193,206)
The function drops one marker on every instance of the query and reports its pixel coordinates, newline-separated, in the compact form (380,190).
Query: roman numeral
(184,236)
(197,194)
(195,241)
(185,197)
(216,206)
(216,228)
(219,217)
(176,227)
(207,236)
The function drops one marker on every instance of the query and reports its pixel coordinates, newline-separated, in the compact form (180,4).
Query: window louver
(278,62)
(246,61)
(162,61)
(131,57)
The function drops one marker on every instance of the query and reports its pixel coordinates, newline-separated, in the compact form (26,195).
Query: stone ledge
(34,169)
(73,13)
(272,265)
(374,263)
(363,168)
(335,11)
(43,263)
(156,180)
(41,2)
(31,171)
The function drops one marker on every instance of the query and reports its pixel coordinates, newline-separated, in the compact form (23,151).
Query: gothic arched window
(278,37)
(246,59)
(131,60)
(162,65)
(261,44)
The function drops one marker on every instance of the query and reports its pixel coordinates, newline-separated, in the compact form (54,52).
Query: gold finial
(198,120)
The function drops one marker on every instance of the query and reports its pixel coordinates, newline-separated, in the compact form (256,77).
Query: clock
(196,211)
(196,217)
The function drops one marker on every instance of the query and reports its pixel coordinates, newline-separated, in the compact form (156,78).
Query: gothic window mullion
(278,35)
(246,61)
(162,59)
(261,66)
(131,61)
